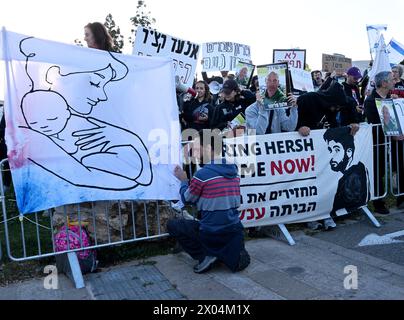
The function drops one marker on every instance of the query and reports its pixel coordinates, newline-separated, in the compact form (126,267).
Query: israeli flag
(396,51)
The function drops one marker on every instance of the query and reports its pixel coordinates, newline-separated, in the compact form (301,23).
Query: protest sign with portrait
(280,69)
(388,118)
(399,107)
(244,74)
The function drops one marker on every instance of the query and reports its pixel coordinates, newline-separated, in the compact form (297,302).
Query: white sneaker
(329,224)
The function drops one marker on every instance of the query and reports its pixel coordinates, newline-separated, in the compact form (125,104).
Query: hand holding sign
(292,100)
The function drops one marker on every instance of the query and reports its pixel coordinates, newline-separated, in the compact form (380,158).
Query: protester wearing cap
(351,88)
(234,102)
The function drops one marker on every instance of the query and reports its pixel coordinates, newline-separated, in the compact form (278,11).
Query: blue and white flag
(381,62)
(396,51)
(85,124)
(374,31)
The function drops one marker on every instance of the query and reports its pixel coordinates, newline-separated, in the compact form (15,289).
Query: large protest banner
(295,57)
(82,124)
(184,53)
(286,178)
(337,63)
(224,56)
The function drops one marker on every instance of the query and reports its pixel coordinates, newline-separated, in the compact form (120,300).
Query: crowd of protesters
(337,101)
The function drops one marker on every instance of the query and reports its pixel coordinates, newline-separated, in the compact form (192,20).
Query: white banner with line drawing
(82,124)
(287,178)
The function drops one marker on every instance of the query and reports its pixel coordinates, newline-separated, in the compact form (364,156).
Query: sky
(315,25)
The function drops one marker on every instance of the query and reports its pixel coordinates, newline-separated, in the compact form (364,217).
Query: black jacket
(227,111)
(315,108)
(191,111)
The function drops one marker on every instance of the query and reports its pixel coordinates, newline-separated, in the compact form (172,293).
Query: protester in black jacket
(198,111)
(234,102)
(319,109)
(351,88)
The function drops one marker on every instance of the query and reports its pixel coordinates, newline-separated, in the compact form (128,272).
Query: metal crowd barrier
(108,223)
(381,149)
(396,168)
(32,236)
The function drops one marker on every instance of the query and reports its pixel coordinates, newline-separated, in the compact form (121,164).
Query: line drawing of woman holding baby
(60,116)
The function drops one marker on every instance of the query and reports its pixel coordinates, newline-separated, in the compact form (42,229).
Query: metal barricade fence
(396,169)
(32,236)
(381,147)
(108,223)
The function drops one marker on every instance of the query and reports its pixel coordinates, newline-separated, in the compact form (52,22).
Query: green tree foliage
(115,33)
(142,18)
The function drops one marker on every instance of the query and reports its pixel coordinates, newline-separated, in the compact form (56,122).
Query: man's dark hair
(340,135)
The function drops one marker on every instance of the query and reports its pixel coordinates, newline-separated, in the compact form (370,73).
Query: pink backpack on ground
(87,258)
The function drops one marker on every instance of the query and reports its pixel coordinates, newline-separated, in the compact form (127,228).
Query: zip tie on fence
(8,220)
(39,225)
(21,218)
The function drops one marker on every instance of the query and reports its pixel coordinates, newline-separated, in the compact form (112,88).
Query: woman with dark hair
(97,37)
(198,110)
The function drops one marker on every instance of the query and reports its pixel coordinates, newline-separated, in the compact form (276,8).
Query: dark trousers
(186,232)
(227,246)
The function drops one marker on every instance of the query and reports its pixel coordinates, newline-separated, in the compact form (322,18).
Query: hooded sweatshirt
(313,106)
(215,189)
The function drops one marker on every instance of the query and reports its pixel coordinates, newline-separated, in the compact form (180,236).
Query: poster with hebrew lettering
(224,56)
(184,53)
(85,124)
(287,178)
(296,58)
